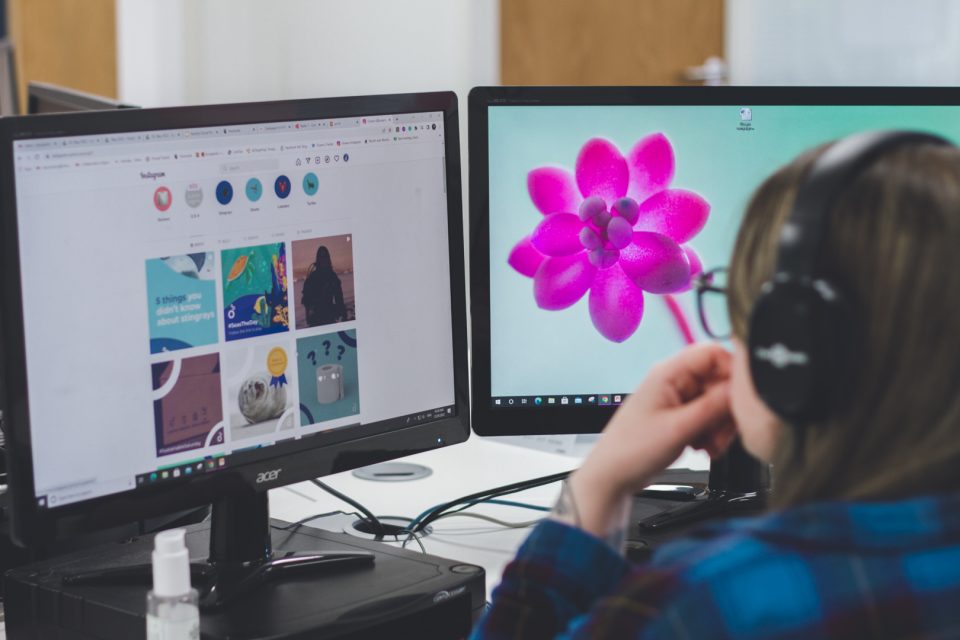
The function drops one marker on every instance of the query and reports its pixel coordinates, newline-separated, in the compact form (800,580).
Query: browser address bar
(243,166)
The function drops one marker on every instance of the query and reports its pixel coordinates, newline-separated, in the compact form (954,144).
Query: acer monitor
(205,303)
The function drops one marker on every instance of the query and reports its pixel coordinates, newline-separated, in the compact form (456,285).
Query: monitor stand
(241,556)
(736,486)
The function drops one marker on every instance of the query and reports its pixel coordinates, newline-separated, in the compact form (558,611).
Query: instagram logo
(161,198)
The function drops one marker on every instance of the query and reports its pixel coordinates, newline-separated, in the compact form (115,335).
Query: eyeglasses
(711,289)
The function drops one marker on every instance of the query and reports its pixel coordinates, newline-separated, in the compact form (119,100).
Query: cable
(481,516)
(433,513)
(372,519)
(522,505)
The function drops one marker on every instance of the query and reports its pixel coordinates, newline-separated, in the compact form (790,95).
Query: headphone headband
(804,231)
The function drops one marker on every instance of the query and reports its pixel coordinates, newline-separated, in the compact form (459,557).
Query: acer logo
(268,476)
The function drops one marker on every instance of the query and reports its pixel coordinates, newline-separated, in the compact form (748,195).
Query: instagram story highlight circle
(224,192)
(254,189)
(281,187)
(193,196)
(162,199)
(310,184)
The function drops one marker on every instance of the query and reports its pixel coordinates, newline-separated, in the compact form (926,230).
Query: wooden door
(606,42)
(67,42)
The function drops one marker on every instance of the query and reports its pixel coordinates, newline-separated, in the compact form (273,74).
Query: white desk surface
(473,466)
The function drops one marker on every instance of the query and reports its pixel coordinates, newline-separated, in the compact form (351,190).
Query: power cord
(378,527)
(465,502)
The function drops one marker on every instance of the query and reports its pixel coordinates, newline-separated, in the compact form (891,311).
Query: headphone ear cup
(798,343)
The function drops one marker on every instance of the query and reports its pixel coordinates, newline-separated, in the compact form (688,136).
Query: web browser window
(189,294)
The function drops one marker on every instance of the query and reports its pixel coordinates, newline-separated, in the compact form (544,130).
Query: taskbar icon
(577,400)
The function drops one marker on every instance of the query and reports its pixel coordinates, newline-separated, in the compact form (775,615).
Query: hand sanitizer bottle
(173,611)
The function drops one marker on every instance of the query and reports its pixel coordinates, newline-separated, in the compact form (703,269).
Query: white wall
(843,42)
(205,51)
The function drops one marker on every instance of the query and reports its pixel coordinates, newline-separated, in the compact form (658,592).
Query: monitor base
(222,587)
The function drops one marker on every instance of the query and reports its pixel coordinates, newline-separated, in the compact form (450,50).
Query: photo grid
(250,345)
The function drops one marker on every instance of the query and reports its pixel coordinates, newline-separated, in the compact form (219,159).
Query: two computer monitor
(216,301)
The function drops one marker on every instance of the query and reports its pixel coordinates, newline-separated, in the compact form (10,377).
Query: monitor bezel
(339,450)
(544,420)
(73,100)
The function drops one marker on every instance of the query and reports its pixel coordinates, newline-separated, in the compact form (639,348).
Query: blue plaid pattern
(829,570)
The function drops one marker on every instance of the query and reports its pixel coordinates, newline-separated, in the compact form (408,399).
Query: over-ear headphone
(801,332)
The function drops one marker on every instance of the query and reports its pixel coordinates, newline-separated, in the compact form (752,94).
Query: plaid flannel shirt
(828,570)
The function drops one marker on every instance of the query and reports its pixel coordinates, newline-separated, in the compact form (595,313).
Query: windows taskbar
(535,402)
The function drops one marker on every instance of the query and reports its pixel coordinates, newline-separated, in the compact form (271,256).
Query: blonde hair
(893,246)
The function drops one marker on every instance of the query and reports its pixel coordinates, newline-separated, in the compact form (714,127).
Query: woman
(862,539)
(322,295)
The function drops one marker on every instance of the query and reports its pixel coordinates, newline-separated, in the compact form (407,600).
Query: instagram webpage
(193,293)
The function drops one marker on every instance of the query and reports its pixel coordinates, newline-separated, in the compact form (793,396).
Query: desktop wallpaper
(600,216)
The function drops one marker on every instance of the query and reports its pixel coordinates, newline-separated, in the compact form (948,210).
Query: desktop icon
(193,196)
(162,198)
(281,187)
(254,189)
(310,184)
(538,401)
(746,114)
(224,192)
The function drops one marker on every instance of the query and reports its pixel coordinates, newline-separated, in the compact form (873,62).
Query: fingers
(705,412)
(693,368)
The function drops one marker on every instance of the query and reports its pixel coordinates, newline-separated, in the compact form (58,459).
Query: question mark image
(341,350)
(312,357)
(326,343)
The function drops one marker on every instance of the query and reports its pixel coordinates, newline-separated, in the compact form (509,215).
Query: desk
(459,470)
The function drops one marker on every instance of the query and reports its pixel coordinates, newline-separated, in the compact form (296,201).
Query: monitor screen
(592,210)
(197,299)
